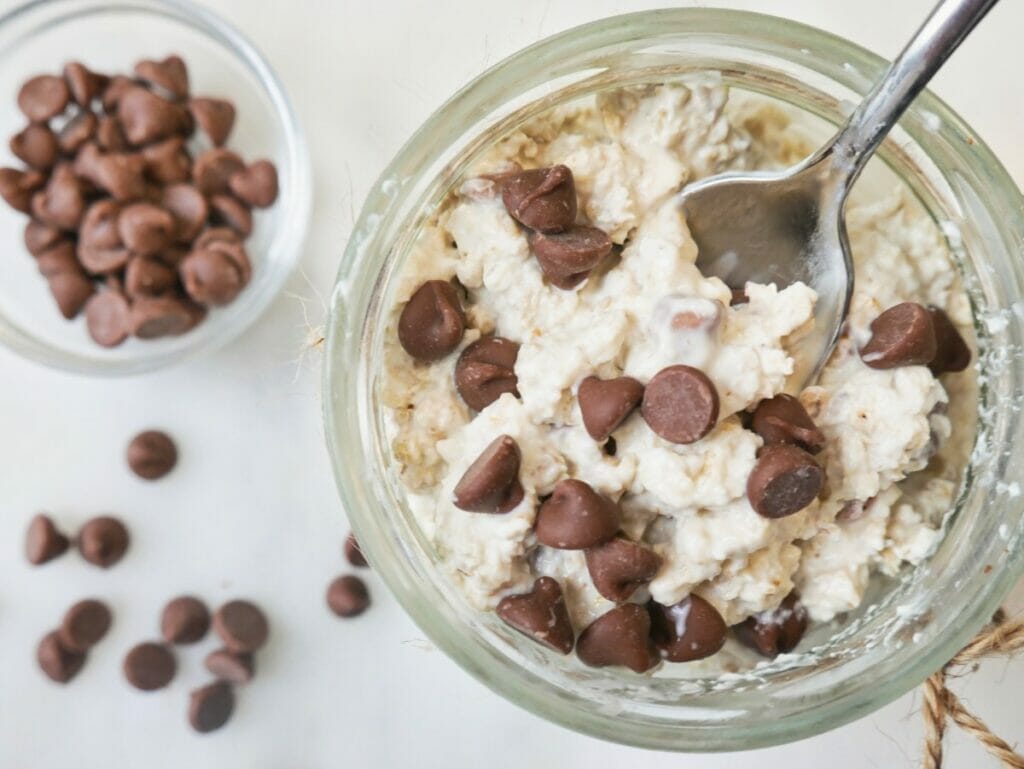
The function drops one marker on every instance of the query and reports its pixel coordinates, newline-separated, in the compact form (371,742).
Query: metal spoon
(783,227)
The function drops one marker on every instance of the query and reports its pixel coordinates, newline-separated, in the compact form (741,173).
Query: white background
(252,509)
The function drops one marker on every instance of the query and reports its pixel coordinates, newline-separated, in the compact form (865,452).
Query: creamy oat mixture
(629,153)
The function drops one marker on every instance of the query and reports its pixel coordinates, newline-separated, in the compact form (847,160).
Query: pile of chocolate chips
(125,223)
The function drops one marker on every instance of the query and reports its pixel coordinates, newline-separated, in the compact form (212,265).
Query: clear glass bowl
(907,628)
(109,36)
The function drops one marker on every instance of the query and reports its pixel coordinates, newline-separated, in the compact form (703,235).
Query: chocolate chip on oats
(36,146)
(233,667)
(43,541)
(686,631)
(43,97)
(84,85)
(542,199)
(210,706)
(432,322)
(121,174)
(618,567)
(241,625)
(149,666)
(347,596)
(951,351)
(76,132)
(167,162)
(775,632)
(486,370)
(71,291)
(107,318)
(230,211)
(184,620)
(41,237)
(152,454)
(540,615)
(153,317)
(148,276)
(211,275)
(215,118)
(103,541)
(146,117)
(188,207)
(783,419)
(680,404)
(212,170)
(618,637)
(576,517)
(59,664)
(84,625)
(171,75)
(146,229)
(256,184)
(785,480)
(903,335)
(61,203)
(491,484)
(605,404)
(353,553)
(566,258)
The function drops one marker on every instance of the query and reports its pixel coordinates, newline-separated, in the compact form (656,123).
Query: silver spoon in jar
(788,226)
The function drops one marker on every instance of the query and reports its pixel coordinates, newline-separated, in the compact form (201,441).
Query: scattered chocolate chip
(241,626)
(43,541)
(542,199)
(122,174)
(85,624)
(255,185)
(618,637)
(783,419)
(146,229)
(566,258)
(152,454)
(103,541)
(18,187)
(213,169)
(211,275)
(61,203)
(210,706)
(432,322)
(167,162)
(107,318)
(59,664)
(230,666)
(171,75)
(680,404)
(491,484)
(43,97)
(951,351)
(576,517)
(76,132)
(149,666)
(347,596)
(486,370)
(110,136)
(353,554)
(41,237)
(184,620)
(228,210)
(541,615)
(618,567)
(215,118)
(146,117)
(785,480)
(148,276)
(775,632)
(84,85)
(71,291)
(901,336)
(686,631)
(605,404)
(36,146)
(188,207)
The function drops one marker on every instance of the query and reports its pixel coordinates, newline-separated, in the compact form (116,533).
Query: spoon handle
(938,37)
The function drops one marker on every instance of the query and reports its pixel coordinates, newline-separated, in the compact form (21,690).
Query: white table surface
(252,508)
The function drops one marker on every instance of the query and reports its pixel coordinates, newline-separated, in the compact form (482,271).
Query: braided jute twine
(1001,636)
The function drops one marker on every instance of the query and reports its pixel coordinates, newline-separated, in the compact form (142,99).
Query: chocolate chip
(61,203)
(217,235)
(783,419)
(210,706)
(147,118)
(120,174)
(167,162)
(241,626)
(619,637)
(543,198)
(36,146)
(491,484)
(901,336)
(230,666)
(106,318)
(41,237)
(85,624)
(76,132)
(153,317)
(775,632)
(432,322)
(256,184)
(71,291)
(152,454)
(43,542)
(785,480)
(103,541)
(215,118)
(541,615)
(149,277)
(347,596)
(184,620)
(188,207)
(43,97)
(739,296)
(17,187)
(149,666)
(84,85)
(213,169)
(605,404)
(486,370)
(618,567)
(171,75)
(146,229)
(59,664)
(680,404)
(576,517)
(353,553)
(566,258)
(689,630)
(100,249)
(211,275)
(110,135)
(951,351)
(228,210)
(114,90)
(58,260)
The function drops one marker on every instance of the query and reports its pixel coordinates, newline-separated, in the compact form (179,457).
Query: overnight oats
(604,445)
